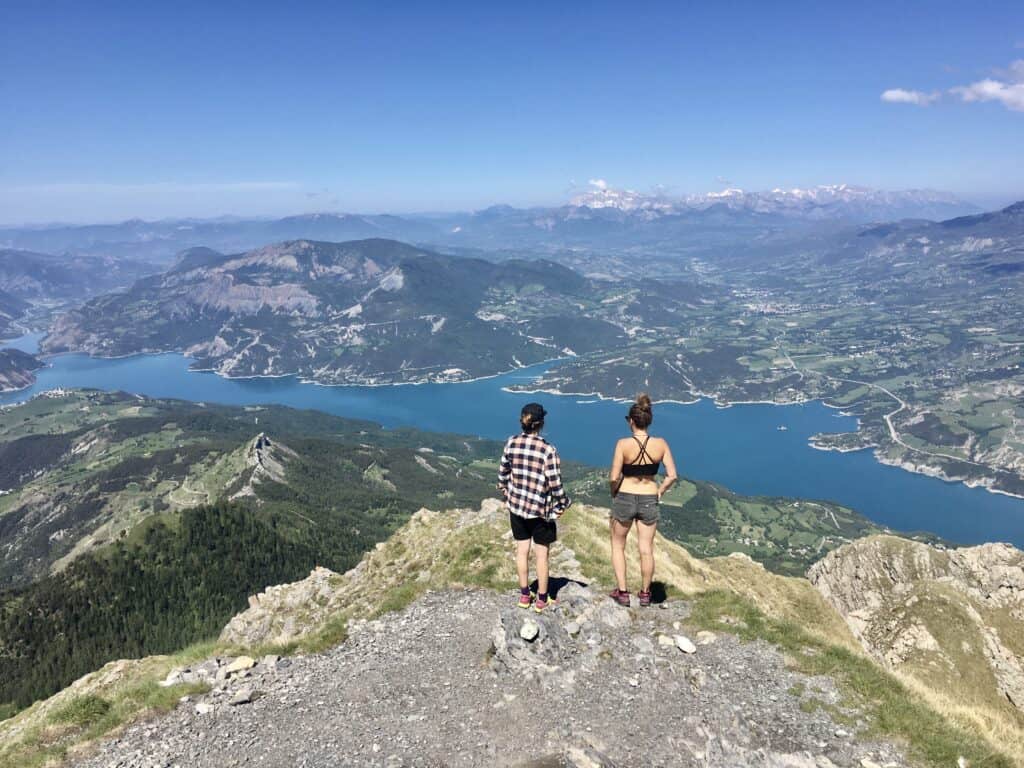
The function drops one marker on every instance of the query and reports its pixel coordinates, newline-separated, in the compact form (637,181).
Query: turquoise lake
(742,447)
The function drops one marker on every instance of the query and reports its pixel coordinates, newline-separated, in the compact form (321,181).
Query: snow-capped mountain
(832,201)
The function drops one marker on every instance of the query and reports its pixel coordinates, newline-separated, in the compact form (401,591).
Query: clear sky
(110,110)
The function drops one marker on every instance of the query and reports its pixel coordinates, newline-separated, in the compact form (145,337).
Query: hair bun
(643,402)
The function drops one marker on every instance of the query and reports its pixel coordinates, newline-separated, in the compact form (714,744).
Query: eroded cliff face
(951,619)
(17,369)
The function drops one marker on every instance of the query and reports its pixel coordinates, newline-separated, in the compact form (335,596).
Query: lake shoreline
(733,450)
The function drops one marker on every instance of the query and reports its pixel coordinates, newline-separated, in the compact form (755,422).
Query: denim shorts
(627,507)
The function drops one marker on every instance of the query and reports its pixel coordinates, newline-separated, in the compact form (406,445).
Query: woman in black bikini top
(636,495)
(643,465)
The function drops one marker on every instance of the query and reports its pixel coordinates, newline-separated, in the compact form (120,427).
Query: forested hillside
(121,547)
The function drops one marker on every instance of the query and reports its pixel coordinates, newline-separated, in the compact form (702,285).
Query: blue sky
(117,110)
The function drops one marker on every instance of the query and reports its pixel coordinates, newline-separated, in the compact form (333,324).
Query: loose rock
(529,630)
(684,644)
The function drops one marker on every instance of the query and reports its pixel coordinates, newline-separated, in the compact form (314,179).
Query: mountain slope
(132,526)
(950,621)
(371,311)
(825,699)
(31,276)
(16,369)
(11,308)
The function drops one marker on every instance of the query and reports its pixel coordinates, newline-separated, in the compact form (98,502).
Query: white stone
(529,630)
(684,644)
(242,696)
(240,664)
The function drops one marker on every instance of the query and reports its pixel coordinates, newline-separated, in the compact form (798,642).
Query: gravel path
(450,682)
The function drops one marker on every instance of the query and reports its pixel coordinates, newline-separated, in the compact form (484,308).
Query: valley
(108,492)
(913,327)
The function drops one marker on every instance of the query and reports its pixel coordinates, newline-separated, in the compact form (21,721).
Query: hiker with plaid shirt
(530,479)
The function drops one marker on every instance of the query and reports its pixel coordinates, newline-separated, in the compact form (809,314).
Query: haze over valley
(912,325)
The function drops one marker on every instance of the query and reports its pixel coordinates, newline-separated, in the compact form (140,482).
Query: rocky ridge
(451,681)
(948,619)
(427,662)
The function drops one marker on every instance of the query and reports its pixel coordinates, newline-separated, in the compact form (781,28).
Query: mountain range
(911,325)
(369,311)
(601,217)
(833,201)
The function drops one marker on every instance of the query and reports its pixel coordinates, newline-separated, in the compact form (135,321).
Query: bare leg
(619,533)
(541,552)
(645,542)
(523,562)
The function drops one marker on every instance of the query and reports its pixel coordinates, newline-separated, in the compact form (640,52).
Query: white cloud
(1008,90)
(599,184)
(1010,95)
(903,96)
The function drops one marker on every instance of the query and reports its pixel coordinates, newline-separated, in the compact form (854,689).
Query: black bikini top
(643,465)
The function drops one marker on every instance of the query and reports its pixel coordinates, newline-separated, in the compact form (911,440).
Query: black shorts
(542,531)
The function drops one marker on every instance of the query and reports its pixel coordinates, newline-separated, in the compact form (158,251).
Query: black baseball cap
(535,411)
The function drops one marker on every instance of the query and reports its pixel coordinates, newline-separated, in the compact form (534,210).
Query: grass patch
(398,598)
(89,716)
(333,633)
(891,709)
(82,711)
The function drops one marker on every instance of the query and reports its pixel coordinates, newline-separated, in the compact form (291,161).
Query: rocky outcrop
(286,612)
(452,680)
(266,460)
(460,675)
(957,614)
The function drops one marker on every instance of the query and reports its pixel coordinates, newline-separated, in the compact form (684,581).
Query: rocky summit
(452,681)
(419,656)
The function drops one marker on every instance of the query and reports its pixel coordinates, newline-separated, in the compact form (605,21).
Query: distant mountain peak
(823,201)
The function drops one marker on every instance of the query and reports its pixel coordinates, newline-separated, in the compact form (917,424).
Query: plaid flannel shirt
(530,477)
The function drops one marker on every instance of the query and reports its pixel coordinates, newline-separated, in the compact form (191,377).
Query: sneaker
(619,596)
(525,600)
(540,604)
(645,597)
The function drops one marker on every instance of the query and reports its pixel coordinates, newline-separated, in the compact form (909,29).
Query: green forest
(178,574)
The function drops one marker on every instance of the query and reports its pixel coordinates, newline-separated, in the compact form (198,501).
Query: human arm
(504,472)
(670,472)
(615,474)
(553,474)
